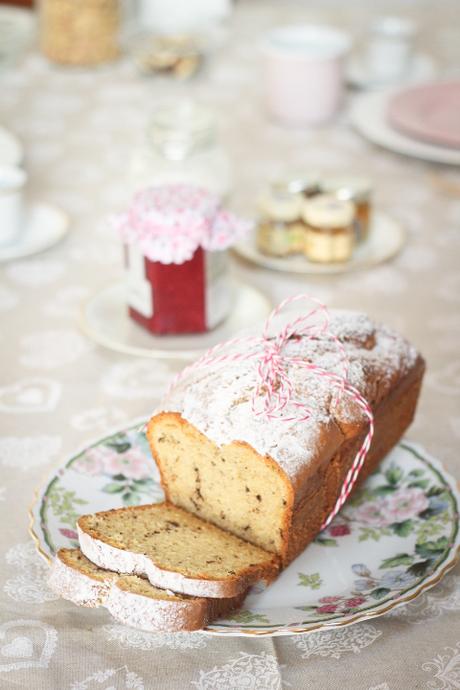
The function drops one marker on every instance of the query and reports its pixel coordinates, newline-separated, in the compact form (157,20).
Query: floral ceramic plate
(395,538)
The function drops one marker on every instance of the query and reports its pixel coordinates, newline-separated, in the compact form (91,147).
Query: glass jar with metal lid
(281,231)
(357,190)
(182,147)
(330,234)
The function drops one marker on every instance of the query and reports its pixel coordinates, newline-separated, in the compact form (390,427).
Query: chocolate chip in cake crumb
(247,490)
(259,498)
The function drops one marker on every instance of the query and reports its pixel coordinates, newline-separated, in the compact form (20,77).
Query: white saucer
(422,69)
(105,319)
(45,226)
(386,238)
(11,149)
(368,115)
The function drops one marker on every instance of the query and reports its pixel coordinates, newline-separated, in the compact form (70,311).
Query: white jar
(182,147)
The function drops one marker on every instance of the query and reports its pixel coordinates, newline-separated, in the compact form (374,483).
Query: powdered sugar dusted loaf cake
(271,481)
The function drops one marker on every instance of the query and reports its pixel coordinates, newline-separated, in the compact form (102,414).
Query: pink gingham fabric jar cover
(169,222)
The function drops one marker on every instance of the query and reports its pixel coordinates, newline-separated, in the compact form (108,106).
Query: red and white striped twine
(274,390)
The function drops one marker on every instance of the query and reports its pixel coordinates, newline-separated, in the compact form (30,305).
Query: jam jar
(357,190)
(281,231)
(330,233)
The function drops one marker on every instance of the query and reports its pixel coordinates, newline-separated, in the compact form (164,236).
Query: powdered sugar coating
(78,587)
(144,612)
(217,400)
(155,615)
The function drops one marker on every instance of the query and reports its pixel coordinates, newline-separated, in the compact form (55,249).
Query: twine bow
(274,389)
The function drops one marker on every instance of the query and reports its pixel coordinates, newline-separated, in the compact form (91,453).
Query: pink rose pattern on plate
(403,504)
(128,465)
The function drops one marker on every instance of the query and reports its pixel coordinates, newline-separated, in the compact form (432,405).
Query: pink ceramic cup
(304,73)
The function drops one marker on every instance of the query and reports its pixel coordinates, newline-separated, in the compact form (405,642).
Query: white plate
(45,225)
(386,238)
(421,69)
(105,320)
(368,115)
(11,149)
(395,538)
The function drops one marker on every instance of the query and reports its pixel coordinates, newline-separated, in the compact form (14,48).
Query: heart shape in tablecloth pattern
(26,644)
(136,379)
(20,647)
(52,349)
(30,395)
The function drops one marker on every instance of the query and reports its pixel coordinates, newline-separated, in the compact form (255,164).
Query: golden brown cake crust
(212,408)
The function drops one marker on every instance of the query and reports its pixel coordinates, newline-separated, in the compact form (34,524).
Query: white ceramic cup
(12,182)
(390,47)
(304,73)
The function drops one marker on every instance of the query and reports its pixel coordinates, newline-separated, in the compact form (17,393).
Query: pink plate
(430,112)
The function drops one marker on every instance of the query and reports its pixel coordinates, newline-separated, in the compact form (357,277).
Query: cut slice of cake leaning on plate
(132,600)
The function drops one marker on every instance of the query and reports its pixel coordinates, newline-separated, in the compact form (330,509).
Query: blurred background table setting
(293,147)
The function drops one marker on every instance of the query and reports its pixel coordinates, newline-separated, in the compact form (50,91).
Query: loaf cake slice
(274,481)
(132,600)
(174,550)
